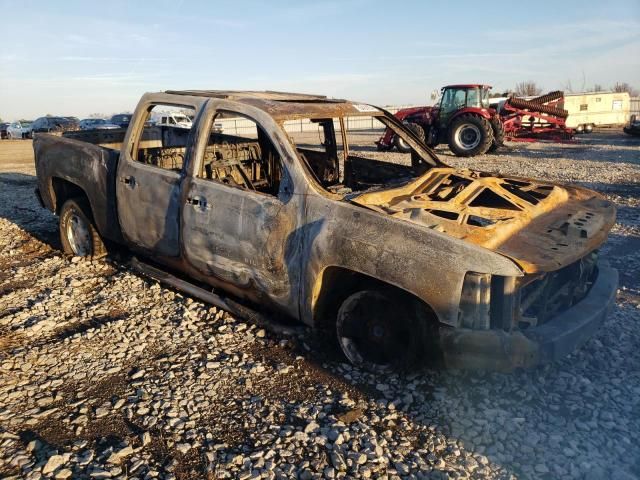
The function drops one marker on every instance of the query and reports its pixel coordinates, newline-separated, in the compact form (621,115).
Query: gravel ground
(104,374)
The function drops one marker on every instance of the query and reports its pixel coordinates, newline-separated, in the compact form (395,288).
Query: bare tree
(527,89)
(621,87)
(598,88)
(568,87)
(97,115)
(506,93)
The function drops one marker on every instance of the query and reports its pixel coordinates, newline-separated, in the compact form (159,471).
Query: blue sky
(82,57)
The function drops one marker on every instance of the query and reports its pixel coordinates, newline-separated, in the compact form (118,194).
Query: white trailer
(596,109)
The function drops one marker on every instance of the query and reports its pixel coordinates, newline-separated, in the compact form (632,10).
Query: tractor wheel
(403,146)
(498,134)
(470,135)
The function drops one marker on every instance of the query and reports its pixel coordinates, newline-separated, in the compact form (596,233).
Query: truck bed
(70,163)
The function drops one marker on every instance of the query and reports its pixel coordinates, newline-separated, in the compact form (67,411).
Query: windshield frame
(388,120)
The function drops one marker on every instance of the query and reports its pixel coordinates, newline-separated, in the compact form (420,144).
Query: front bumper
(506,351)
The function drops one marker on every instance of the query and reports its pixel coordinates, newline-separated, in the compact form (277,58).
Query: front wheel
(402,145)
(78,234)
(470,135)
(380,331)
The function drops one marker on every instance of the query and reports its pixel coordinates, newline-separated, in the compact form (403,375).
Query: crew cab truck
(288,213)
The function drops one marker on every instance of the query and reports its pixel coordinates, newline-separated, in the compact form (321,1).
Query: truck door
(240,216)
(148,187)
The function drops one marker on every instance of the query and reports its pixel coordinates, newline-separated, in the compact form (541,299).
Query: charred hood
(541,226)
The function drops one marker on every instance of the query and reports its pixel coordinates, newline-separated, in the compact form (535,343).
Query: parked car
(97,124)
(634,126)
(54,124)
(3,130)
(399,259)
(121,119)
(19,130)
(172,119)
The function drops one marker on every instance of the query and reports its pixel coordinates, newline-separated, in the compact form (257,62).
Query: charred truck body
(401,260)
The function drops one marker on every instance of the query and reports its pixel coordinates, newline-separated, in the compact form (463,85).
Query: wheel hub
(372,332)
(468,136)
(78,235)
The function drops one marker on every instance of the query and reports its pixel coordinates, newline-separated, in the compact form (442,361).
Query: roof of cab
(289,106)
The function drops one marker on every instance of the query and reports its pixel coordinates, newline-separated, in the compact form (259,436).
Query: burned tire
(470,135)
(498,134)
(403,146)
(381,331)
(78,233)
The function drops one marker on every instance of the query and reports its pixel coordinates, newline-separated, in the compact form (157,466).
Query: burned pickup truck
(266,199)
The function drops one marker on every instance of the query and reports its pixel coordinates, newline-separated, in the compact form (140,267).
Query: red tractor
(462,119)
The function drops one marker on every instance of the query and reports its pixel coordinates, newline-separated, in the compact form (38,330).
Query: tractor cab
(457,97)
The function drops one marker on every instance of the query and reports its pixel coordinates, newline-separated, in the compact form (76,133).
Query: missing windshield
(339,152)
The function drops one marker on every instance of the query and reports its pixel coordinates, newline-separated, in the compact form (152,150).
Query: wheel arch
(335,283)
(62,190)
(469,111)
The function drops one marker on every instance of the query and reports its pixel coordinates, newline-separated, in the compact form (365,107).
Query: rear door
(240,215)
(149,180)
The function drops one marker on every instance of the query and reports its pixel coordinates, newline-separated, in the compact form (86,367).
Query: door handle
(128,180)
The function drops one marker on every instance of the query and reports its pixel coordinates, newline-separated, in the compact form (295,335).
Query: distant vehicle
(3,130)
(97,124)
(121,119)
(54,124)
(19,130)
(172,119)
(634,126)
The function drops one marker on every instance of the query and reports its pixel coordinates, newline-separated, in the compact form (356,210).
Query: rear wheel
(403,146)
(78,234)
(379,331)
(470,135)
(498,134)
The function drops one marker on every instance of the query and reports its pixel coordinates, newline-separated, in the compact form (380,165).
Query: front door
(149,179)
(240,216)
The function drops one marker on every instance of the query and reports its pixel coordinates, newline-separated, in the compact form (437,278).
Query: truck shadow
(21,207)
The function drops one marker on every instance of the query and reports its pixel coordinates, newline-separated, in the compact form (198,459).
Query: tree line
(529,88)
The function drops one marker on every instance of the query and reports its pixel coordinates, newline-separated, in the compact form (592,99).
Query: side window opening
(163,145)
(240,154)
(319,143)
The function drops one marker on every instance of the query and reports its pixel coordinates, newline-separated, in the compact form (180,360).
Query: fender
(485,113)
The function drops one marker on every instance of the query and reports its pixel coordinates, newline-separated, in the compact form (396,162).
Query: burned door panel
(148,207)
(149,179)
(244,239)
